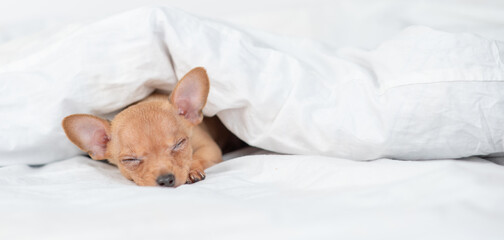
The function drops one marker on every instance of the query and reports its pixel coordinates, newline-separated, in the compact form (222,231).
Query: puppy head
(150,141)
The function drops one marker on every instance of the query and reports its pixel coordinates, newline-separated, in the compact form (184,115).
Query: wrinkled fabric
(250,197)
(423,94)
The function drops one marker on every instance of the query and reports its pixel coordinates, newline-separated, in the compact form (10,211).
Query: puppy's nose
(167,180)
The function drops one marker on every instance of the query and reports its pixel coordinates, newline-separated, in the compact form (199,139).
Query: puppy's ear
(190,95)
(91,134)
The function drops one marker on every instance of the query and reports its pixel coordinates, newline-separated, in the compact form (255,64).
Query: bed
(323,171)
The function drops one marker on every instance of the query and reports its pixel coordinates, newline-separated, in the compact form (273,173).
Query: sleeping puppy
(160,141)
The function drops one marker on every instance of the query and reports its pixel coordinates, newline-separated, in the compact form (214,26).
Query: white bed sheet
(259,196)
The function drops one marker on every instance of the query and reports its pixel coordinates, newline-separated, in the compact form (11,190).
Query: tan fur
(150,131)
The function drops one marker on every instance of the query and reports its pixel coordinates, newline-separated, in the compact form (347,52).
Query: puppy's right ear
(91,134)
(190,95)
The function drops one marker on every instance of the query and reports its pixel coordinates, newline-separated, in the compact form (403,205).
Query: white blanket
(423,94)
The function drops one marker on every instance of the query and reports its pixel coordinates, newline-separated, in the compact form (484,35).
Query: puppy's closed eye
(179,145)
(131,162)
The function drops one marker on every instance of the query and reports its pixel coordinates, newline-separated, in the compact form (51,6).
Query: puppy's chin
(181,176)
(154,183)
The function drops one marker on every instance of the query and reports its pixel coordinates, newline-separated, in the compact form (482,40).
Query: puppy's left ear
(90,133)
(190,95)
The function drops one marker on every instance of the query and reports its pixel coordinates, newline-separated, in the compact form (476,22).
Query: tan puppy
(158,141)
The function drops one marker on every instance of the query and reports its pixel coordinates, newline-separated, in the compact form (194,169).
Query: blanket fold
(423,94)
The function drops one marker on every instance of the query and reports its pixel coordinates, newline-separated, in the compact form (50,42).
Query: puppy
(160,141)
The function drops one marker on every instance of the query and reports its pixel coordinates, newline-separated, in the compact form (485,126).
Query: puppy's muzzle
(166,180)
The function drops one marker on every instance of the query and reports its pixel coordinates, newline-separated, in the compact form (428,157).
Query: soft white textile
(259,197)
(361,23)
(422,94)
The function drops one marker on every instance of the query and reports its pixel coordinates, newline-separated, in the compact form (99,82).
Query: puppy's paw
(195,175)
